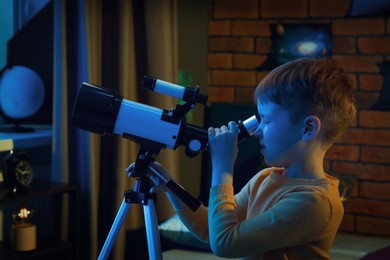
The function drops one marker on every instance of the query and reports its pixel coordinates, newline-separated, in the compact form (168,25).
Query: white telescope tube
(145,121)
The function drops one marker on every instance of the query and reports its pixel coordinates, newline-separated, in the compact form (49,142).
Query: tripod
(141,195)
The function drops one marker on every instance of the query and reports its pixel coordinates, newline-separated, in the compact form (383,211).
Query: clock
(17,171)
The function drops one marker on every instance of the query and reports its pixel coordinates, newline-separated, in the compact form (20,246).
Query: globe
(22,92)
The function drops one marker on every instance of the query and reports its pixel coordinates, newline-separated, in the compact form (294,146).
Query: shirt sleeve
(196,222)
(298,218)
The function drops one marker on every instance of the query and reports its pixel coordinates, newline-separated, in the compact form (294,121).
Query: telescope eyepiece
(149,83)
(187,94)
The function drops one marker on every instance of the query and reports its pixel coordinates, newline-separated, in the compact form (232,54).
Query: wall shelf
(53,246)
(40,137)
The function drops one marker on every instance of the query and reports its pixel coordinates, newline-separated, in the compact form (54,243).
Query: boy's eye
(264,121)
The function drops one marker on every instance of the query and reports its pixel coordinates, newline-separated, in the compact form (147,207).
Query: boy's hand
(223,149)
(157,174)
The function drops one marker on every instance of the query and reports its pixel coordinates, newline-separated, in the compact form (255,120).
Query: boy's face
(279,136)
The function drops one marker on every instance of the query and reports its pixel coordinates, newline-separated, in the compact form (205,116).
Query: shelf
(51,245)
(44,250)
(38,189)
(40,137)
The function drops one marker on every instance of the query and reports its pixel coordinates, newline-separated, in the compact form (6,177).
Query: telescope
(104,111)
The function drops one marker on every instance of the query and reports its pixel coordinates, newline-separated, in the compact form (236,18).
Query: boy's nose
(258,132)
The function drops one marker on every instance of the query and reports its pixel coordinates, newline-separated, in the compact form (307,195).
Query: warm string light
(23,215)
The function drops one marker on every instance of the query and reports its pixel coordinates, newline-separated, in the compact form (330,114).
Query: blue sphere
(22,92)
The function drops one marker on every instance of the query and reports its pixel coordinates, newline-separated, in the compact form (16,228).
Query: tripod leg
(115,228)
(152,234)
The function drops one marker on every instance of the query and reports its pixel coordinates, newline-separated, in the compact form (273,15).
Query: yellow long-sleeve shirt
(273,217)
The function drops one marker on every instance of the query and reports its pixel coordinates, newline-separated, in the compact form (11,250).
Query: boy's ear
(311,129)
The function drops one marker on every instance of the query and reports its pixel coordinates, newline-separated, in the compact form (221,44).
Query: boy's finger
(233,127)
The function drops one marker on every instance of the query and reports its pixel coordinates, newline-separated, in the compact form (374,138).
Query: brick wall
(239,43)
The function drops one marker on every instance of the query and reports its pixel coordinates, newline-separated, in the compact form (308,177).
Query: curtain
(162,60)
(93,44)
(95,41)
(72,159)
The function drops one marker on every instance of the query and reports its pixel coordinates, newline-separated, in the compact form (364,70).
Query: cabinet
(49,246)
(56,205)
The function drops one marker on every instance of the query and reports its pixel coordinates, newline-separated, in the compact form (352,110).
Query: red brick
(354,122)
(366,100)
(233,78)
(261,75)
(354,81)
(221,94)
(220,60)
(236,9)
(263,45)
(344,45)
(343,153)
(245,96)
(360,63)
(348,185)
(370,26)
(231,44)
(248,61)
(329,8)
(375,154)
(370,82)
(306,21)
(372,225)
(353,191)
(374,45)
(219,27)
(348,223)
(327,166)
(366,136)
(388,26)
(283,9)
(364,171)
(375,190)
(377,119)
(251,28)
(377,208)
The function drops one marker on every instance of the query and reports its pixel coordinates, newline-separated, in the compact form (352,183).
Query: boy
(293,209)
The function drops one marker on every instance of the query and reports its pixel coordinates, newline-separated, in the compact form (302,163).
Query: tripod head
(145,157)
